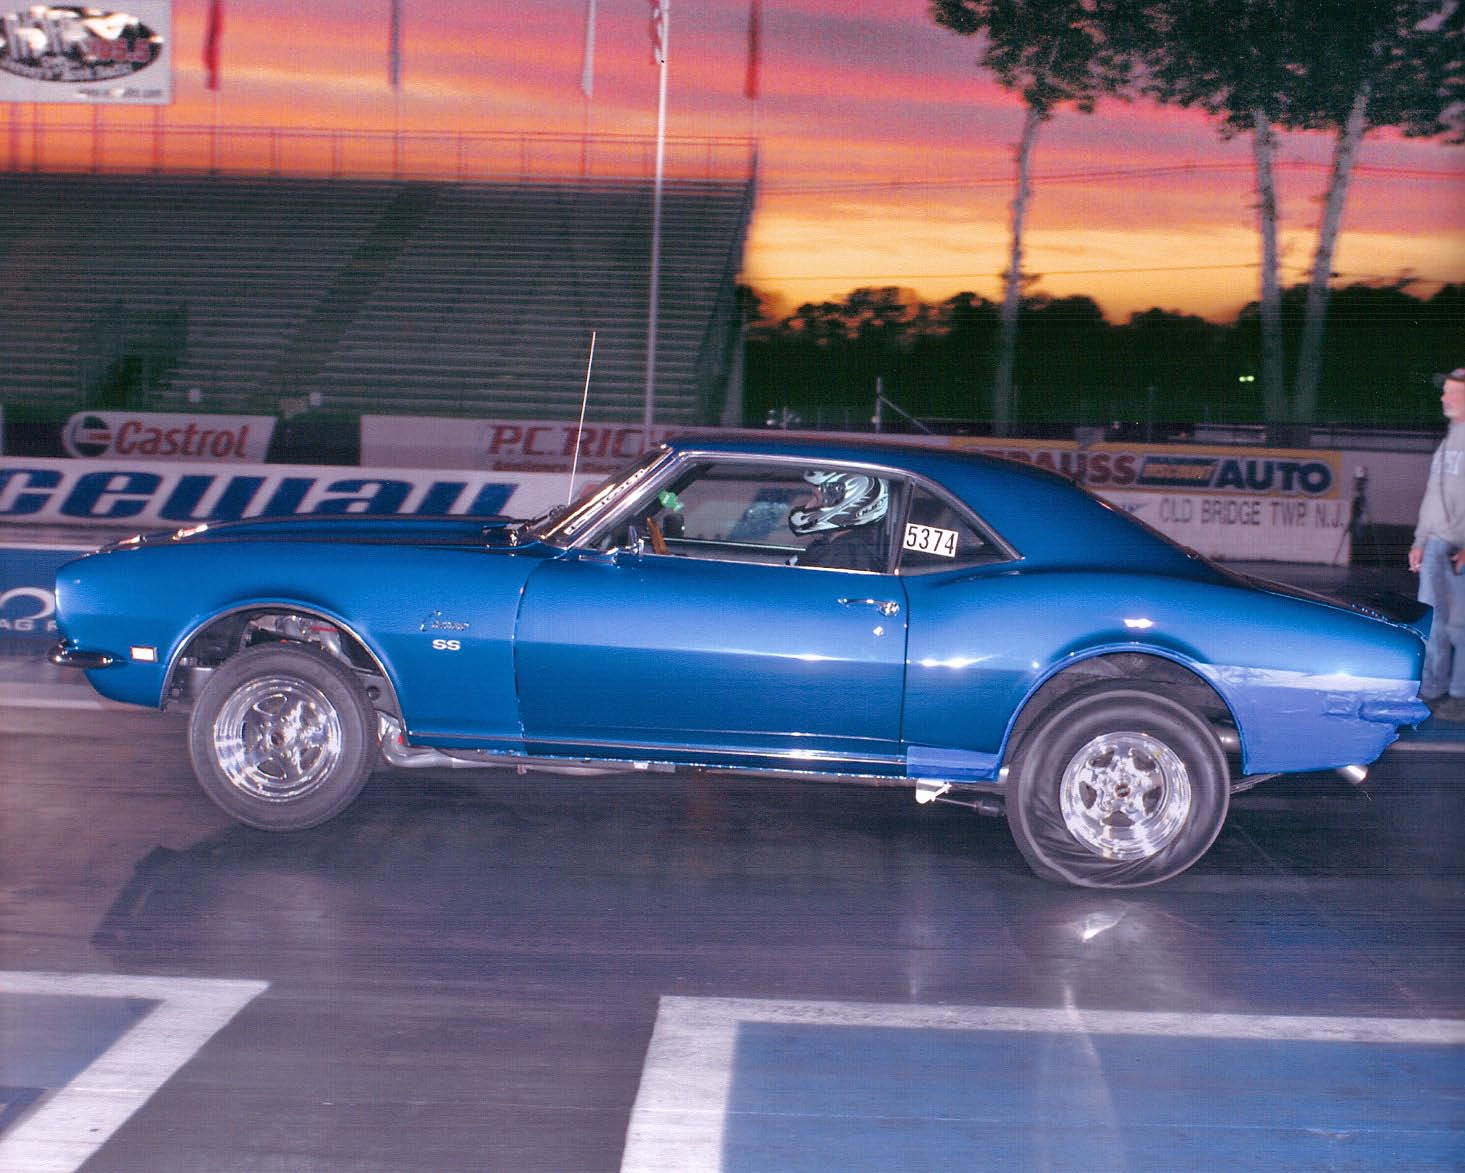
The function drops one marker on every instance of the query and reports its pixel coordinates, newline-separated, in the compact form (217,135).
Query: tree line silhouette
(1157,374)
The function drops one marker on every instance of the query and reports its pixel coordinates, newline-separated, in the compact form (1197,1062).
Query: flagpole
(655,293)
(213,31)
(587,87)
(394,76)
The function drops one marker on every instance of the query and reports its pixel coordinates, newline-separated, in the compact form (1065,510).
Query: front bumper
(63,655)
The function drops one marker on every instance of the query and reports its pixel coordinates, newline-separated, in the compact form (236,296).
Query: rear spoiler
(1391,606)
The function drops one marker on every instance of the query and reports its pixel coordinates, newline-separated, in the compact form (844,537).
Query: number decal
(929,539)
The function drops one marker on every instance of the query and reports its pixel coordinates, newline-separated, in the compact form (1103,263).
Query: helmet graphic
(842,500)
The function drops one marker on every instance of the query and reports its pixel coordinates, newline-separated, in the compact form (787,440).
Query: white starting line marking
(68,1126)
(679,1118)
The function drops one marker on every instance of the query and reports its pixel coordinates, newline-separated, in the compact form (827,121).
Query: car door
(717,646)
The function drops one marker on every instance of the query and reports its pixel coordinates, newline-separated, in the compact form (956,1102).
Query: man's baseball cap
(1455,376)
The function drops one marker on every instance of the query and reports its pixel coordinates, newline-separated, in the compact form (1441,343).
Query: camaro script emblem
(436,622)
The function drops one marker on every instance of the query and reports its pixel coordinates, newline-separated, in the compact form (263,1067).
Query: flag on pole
(394,46)
(212,34)
(755,48)
(587,73)
(658,31)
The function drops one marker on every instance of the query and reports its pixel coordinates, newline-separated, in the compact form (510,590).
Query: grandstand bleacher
(412,297)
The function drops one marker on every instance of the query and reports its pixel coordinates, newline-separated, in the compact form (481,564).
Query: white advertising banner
(87,54)
(141,495)
(1240,504)
(503,445)
(161,436)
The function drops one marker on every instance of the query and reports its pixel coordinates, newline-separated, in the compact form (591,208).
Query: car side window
(938,536)
(771,513)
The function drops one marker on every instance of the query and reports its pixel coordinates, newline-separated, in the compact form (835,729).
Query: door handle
(886,607)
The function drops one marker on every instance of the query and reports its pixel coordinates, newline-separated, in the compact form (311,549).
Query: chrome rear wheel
(1117,786)
(1126,795)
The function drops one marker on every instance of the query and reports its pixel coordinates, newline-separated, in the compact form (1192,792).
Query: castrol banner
(145,435)
(1242,504)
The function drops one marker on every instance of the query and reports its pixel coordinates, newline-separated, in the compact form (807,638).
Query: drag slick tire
(1117,786)
(282,737)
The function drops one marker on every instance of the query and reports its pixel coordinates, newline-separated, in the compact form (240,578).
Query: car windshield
(562,524)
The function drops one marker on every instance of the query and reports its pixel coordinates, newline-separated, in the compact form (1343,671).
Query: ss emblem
(447,645)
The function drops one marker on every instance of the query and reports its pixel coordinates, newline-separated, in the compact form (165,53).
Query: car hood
(379,530)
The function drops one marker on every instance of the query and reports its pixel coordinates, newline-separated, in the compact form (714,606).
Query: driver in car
(847,511)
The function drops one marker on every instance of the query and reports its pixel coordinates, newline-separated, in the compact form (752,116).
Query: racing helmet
(842,500)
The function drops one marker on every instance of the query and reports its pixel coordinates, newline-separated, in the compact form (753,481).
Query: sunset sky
(886,152)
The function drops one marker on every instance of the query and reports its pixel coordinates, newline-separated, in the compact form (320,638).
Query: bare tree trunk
(1274,389)
(1012,283)
(1310,352)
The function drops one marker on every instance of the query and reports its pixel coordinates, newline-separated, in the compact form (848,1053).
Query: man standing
(1438,557)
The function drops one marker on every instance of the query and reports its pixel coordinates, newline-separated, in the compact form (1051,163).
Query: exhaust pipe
(1352,774)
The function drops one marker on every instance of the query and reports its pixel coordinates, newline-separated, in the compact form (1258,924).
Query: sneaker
(1449,708)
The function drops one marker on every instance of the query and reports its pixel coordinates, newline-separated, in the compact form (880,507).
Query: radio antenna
(580,431)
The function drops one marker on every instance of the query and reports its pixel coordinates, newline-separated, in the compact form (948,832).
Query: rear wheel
(282,737)
(1117,786)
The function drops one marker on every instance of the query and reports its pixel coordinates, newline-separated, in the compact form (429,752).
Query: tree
(1235,59)
(1051,52)
(1258,65)
(1386,63)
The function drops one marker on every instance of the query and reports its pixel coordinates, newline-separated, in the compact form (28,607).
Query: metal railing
(110,143)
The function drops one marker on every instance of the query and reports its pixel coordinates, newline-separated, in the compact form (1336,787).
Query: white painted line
(680,1113)
(68,1126)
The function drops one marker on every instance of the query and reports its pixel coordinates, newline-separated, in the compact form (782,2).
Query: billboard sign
(140,495)
(535,445)
(163,436)
(87,54)
(1243,504)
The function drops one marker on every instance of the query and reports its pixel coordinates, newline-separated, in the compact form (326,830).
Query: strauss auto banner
(87,54)
(1243,504)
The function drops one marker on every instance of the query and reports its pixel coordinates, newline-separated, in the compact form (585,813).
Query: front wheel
(282,737)
(1117,786)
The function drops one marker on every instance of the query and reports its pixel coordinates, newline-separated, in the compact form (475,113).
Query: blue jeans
(1444,590)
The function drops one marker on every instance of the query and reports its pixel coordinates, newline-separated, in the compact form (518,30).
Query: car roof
(1045,515)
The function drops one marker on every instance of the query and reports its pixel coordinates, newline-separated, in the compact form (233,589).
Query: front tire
(282,737)
(1117,786)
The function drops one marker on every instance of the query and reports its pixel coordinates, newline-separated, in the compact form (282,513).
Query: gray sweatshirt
(1442,512)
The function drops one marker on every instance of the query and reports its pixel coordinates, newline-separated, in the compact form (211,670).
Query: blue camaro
(981,631)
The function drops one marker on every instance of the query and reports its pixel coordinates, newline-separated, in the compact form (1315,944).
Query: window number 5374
(930,539)
(447,645)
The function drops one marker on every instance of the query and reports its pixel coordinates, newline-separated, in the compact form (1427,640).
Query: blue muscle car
(978,630)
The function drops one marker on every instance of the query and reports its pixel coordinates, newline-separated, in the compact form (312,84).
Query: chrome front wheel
(277,739)
(283,737)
